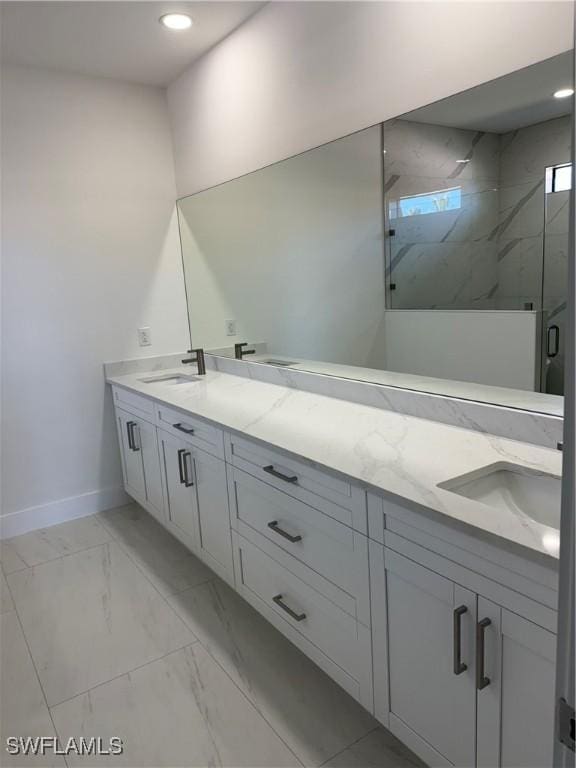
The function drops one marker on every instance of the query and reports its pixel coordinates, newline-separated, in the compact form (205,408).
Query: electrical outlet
(230,327)
(144,337)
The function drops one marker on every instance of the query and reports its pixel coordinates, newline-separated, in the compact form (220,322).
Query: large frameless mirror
(428,253)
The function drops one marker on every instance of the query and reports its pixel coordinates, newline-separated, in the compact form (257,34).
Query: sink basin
(279,363)
(171,378)
(514,488)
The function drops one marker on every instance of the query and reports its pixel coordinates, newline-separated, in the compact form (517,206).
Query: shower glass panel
(464,212)
(555,274)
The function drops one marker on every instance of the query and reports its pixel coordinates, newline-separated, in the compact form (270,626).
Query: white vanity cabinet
(140,461)
(197,509)
(447,638)
(515,710)
(463,665)
(299,559)
(426,695)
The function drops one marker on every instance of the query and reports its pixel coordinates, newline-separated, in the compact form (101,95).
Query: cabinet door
(516,702)
(214,536)
(431,624)
(152,474)
(131,450)
(181,503)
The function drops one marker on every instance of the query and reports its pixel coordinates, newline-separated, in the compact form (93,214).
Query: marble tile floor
(110,627)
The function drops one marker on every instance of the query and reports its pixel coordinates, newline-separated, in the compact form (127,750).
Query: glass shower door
(555,275)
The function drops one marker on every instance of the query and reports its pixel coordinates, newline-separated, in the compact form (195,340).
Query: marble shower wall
(440,215)
(470,235)
(524,156)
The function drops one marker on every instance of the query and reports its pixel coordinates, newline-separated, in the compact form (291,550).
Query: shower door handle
(553,335)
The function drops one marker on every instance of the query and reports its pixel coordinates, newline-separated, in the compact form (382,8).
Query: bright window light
(428,202)
(559,178)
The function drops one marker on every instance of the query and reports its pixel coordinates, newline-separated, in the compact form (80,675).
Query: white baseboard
(45,515)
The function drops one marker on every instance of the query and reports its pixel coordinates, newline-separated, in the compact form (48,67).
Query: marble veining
(404,456)
(516,414)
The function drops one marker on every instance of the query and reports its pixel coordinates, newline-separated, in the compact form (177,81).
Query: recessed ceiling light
(563,93)
(176,20)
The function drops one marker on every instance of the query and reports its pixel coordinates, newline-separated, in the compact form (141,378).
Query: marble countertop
(526,400)
(404,456)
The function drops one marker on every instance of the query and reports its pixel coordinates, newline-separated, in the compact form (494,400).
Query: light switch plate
(230,327)
(144,337)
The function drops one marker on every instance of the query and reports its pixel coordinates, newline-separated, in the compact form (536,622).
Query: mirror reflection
(428,253)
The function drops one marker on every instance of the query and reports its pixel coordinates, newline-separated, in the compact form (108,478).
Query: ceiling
(514,101)
(122,40)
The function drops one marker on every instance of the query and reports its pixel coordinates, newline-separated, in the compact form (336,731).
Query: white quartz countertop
(405,456)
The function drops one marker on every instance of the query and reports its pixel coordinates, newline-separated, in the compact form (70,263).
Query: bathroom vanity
(414,561)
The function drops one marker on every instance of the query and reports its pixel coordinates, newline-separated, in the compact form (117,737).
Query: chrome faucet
(198,358)
(239,352)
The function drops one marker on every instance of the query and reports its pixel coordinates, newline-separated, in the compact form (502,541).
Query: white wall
(90,252)
(296,75)
(497,348)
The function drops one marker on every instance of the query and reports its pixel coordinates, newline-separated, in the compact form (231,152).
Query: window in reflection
(559,178)
(429,202)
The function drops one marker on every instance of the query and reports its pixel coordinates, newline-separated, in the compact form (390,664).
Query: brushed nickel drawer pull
(287,478)
(275,527)
(296,616)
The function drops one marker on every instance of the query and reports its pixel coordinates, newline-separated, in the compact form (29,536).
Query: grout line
(177,613)
(62,555)
(140,567)
(35,669)
(122,674)
(166,598)
(152,661)
(376,728)
(253,703)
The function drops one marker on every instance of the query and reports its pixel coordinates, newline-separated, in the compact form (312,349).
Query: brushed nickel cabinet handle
(459,665)
(273,525)
(481,680)
(296,616)
(274,472)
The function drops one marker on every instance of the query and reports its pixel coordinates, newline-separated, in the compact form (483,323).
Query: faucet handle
(239,350)
(198,358)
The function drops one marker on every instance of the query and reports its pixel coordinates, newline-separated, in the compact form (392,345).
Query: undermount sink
(171,378)
(514,488)
(279,363)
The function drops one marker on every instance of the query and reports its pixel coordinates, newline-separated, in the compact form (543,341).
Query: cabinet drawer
(333,495)
(137,404)
(322,543)
(191,429)
(331,637)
